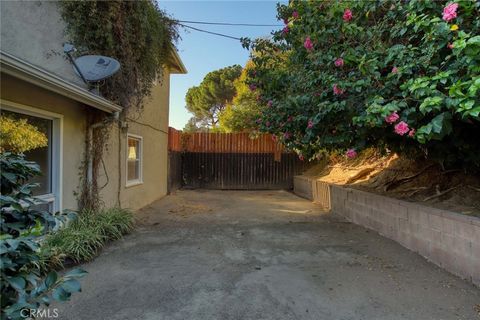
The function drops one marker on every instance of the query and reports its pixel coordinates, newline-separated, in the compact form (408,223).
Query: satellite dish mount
(92,68)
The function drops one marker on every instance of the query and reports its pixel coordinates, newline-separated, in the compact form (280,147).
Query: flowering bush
(402,75)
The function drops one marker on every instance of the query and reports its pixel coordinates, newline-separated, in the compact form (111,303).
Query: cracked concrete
(261,255)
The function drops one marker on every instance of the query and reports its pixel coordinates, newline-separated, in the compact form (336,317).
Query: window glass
(42,156)
(134,159)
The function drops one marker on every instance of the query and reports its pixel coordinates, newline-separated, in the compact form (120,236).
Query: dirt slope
(417,181)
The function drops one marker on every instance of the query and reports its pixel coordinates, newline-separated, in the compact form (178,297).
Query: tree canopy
(214,93)
(244,110)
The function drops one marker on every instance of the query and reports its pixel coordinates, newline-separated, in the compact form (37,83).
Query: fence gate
(229,161)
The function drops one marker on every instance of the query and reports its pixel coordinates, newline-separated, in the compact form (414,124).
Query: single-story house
(38,83)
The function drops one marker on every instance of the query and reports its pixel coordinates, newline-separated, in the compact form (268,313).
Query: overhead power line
(231,24)
(210,32)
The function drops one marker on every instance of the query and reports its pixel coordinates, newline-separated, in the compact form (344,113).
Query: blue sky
(202,53)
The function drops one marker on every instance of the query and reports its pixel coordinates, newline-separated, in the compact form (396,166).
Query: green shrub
(23,284)
(397,75)
(83,238)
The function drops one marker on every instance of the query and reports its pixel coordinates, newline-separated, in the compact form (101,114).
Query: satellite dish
(94,68)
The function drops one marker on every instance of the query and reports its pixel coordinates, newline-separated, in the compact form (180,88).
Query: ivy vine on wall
(136,33)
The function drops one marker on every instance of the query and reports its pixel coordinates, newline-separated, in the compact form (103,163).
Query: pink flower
(286,30)
(295,15)
(351,153)
(339,62)
(285,21)
(347,15)
(337,91)
(392,117)
(267,124)
(411,133)
(450,12)
(269,103)
(394,70)
(450,46)
(253,88)
(308,44)
(310,124)
(401,128)
(301,157)
(287,135)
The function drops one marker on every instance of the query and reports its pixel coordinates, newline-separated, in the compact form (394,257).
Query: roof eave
(177,63)
(26,71)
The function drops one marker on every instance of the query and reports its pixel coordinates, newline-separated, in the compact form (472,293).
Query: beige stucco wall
(152,125)
(34,31)
(74,123)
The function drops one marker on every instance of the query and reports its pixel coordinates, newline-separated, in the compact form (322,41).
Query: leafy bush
(83,238)
(399,75)
(23,285)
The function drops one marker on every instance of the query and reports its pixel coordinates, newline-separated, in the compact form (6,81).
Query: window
(48,158)
(134,160)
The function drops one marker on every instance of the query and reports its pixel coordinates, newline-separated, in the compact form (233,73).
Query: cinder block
(448,226)
(399,211)
(435,222)
(439,255)
(403,225)
(476,234)
(464,230)
(435,237)
(413,228)
(465,266)
(418,217)
(475,261)
(424,232)
(475,249)
(457,245)
(375,224)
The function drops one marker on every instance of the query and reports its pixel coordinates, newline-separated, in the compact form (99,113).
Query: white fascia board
(23,70)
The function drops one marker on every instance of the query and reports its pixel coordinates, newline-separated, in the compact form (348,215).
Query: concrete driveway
(261,255)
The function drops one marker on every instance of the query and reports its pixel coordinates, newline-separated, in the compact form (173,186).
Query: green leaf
(431,104)
(71,286)
(18,283)
(51,279)
(60,294)
(76,273)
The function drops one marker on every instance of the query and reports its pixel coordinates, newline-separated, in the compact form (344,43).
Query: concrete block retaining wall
(311,189)
(446,238)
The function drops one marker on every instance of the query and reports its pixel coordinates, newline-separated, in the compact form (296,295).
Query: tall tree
(214,93)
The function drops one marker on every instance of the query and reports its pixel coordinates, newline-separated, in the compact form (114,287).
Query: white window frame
(55,198)
(136,182)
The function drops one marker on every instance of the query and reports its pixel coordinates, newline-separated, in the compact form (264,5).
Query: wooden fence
(229,161)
